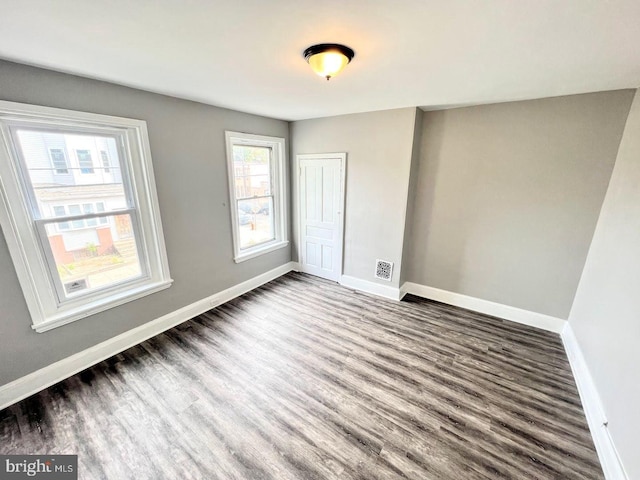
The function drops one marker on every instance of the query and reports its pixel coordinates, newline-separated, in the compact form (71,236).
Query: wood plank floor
(304,379)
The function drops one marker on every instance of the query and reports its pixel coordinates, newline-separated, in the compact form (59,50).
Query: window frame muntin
(22,238)
(278,187)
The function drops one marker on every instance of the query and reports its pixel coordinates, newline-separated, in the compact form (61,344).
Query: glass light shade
(328,64)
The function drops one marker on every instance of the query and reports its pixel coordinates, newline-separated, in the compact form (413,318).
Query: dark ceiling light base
(325,47)
(328,59)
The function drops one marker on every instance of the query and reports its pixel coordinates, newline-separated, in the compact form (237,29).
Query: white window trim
(279,192)
(24,243)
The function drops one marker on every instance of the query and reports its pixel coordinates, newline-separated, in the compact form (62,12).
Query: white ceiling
(247,54)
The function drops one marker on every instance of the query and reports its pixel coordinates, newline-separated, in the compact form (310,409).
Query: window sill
(260,251)
(97,306)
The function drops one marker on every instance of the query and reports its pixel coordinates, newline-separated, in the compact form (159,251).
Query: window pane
(75,188)
(252,171)
(256,221)
(94,258)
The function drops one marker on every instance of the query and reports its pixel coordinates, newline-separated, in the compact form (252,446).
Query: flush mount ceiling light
(328,59)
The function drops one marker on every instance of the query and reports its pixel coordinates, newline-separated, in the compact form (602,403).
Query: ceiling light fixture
(328,59)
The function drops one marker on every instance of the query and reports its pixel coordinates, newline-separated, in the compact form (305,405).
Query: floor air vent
(384,269)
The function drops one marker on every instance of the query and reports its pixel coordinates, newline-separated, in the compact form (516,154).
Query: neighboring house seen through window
(81,244)
(257,181)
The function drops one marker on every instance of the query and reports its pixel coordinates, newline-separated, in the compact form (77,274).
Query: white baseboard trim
(593,409)
(392,293)
(518,315)
(32,383)
(403,290)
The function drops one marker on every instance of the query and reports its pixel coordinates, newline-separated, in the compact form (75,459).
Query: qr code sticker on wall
(384,269)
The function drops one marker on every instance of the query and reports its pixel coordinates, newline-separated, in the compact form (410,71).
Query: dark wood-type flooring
(305,379)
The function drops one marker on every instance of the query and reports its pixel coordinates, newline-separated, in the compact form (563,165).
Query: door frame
(342,156)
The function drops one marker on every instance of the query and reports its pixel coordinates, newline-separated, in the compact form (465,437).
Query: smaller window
(100,209)
(59,161)
(85,161)
(59,211)
(105,161)
(76,210)
(88,208)
(257,182)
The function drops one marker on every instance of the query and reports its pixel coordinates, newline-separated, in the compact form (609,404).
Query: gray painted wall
(413,186)
(606,313)
(187,145)
(378,146)
(508,197)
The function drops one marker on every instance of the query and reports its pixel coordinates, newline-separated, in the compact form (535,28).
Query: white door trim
(297,213)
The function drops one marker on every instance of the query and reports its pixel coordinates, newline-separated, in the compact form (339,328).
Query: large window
(80,243)
(257,188)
